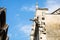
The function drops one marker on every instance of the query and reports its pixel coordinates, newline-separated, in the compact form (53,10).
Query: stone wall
(52,27)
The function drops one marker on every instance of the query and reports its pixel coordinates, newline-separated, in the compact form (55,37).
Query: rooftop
(42,8)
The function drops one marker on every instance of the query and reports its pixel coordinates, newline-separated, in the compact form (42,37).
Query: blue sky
(18,13)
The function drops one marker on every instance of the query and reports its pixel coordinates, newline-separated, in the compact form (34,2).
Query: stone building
(3,25)
(46,26)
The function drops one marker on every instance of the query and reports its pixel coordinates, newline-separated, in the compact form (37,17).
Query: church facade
(46,26)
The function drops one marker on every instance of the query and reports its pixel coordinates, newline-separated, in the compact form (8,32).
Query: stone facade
(53,25)
(48,25)
(3,25)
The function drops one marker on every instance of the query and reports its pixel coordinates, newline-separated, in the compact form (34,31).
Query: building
(3,25)
(46,26)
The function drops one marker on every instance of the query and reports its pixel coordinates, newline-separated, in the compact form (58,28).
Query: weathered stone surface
(52,27)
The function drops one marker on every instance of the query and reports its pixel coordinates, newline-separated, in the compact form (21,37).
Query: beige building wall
(52,27)
(52,24)
(41,13)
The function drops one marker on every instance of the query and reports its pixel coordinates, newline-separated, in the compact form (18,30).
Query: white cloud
(26,29)
(9,35)
(17,15)
(53,5)
(23,28)
(28,8)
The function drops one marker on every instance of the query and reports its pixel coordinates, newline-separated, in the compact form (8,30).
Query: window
(43,23)
(40,37)
(44,33)
(43,18)
(32,29)
(41,26)
(44,29)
